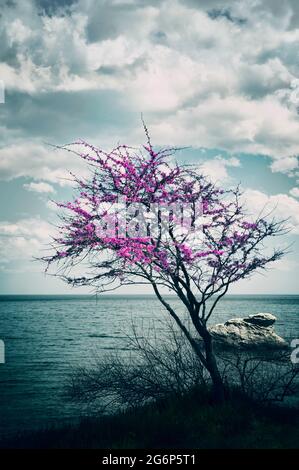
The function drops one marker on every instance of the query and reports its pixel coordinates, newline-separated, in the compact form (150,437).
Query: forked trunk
(218,389)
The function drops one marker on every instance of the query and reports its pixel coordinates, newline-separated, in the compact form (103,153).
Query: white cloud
(285,165)
(294,192)
(18,32)
(216,168)
(219,83)
(24,239)
(120,51)
(52,206)
(281,205)
(40,187)
(235,124)
(39,162)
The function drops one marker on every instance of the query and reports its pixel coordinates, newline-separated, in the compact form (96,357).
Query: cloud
(294,192)
(24,239)
(40,187)
(281,205)
(216,168)
(285,165)
(213,74)
(237,125)
(39,162)
(217,74)
(52,206)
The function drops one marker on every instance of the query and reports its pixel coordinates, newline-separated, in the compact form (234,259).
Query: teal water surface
(45,336)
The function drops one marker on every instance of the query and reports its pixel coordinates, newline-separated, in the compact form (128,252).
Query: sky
(219,77)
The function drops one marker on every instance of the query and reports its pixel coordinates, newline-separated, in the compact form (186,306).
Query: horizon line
(134,295)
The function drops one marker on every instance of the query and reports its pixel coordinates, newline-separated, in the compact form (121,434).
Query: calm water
(46,336)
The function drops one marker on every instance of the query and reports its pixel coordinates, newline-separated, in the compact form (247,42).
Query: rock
(261,319)
(250,332)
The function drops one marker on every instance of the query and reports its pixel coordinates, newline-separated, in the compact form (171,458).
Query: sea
(47,337)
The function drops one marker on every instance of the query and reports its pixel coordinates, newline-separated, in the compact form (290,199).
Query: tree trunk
(218,389)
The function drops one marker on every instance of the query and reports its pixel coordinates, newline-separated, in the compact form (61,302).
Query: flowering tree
(140,218)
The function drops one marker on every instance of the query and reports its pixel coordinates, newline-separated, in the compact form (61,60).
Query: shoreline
(189,421)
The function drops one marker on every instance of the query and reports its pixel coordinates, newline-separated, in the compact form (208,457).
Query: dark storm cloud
(211,5)
(279,8)
(52,7)
(276,9)
(225,13)
(108,21)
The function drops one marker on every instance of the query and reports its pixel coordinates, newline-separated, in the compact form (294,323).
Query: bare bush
(154,369)
(161,364)
(265,376)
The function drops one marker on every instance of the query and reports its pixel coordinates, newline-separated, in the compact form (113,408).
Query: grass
(185,422)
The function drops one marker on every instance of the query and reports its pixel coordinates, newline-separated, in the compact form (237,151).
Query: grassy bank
(189,422)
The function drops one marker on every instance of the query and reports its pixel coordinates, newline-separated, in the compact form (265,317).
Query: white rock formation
(253,331)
